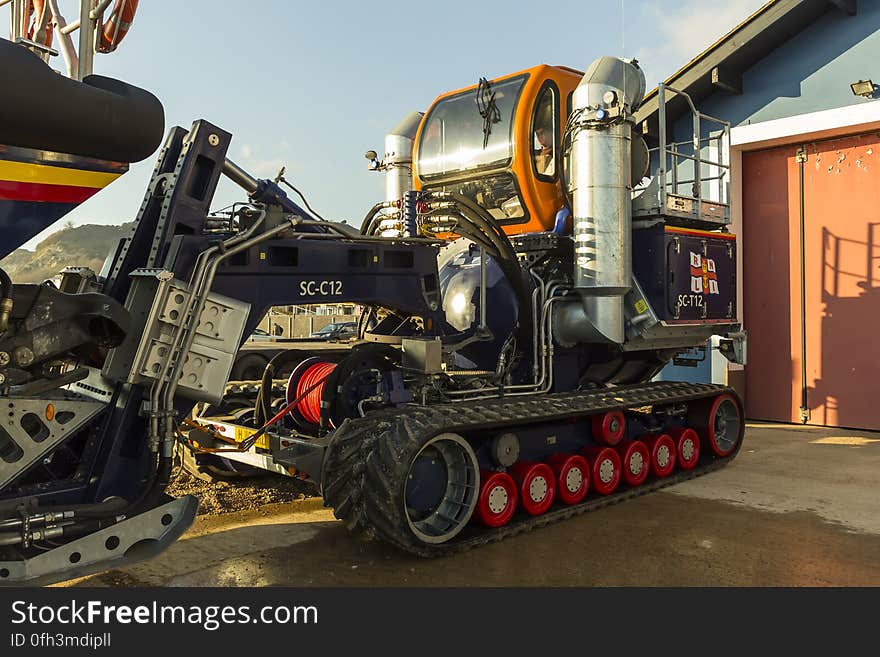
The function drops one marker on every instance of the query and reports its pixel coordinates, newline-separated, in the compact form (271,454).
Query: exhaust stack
(600,186)
(397,162)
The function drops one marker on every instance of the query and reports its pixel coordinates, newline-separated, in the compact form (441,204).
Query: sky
(313,85)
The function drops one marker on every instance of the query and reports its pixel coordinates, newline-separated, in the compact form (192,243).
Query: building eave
(720,67)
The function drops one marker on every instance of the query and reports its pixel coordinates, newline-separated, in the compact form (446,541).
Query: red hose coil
(310,405)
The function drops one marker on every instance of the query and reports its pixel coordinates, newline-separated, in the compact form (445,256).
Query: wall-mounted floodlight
(863,88)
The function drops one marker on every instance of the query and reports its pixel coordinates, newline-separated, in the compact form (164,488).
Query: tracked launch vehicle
(535,263)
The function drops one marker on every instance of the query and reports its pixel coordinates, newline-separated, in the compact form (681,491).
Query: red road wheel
(572,477)
(604,469)
(536,486)
(497,501)
(719,423)
(609,427)
(635,461)
(662,450)
(687,446)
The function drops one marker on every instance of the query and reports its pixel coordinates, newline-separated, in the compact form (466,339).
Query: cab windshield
(453,138)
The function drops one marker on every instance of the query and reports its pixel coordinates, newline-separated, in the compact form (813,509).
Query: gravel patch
(226,497)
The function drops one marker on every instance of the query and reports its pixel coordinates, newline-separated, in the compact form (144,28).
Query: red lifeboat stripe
(42,193)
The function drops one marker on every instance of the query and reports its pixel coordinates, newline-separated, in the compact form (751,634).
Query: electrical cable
(570,126)
(251,440)
(282,179)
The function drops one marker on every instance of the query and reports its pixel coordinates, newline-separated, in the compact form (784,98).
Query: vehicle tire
(248,368)
(366,478)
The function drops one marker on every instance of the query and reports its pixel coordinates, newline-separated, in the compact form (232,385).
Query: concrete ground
(798,507)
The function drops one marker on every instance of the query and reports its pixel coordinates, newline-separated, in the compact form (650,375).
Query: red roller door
(842,245)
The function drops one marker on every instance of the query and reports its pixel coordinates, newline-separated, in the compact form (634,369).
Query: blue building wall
(810,72)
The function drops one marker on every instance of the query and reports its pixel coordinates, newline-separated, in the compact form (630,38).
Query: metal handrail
(704,179)
(697,142)
(690,142)
(694,110)
(685,156)
(79,63)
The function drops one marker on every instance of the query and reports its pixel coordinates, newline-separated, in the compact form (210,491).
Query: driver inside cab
(542,144)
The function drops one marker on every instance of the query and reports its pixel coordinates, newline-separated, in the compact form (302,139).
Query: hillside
(78,246)
(82,246)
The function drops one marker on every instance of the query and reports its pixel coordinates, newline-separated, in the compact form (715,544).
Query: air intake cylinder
(397,163)
(600,186)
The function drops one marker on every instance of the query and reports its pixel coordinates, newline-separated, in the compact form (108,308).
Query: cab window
(544,133)
(453,138)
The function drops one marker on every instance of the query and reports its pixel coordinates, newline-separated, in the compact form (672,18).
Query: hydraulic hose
(478,237)
(5,300)
(507,259)
(367,223)
(94,517)
(263,402)
(485,222)
(68,529)
(5,284)
(502,246)
(490,224)
(99,509)
(481,228)
(205,266)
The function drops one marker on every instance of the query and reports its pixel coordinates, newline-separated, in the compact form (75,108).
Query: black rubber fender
(99,117)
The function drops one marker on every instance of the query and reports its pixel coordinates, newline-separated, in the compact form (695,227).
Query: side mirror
(373,157)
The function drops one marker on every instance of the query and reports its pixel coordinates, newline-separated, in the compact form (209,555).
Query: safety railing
(693,175)
(34,26)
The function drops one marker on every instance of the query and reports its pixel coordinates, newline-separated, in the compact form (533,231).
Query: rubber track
(368,458)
